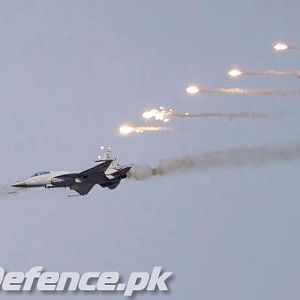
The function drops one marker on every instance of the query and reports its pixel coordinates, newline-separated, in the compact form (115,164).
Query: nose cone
(20,184)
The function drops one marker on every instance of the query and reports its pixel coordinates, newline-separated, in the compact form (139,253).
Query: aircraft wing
(99,169)
(68,175)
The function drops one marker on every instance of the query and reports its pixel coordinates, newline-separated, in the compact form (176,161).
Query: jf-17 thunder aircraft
(108,173)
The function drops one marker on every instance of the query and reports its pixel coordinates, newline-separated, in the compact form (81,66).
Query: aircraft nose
(20,184)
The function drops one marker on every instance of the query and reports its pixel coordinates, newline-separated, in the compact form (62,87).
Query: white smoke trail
(229,115)
(246,91)
(237,73)
(274,73)
(281,46)
(7,189)
(193,90)
(231,158)
(165,114)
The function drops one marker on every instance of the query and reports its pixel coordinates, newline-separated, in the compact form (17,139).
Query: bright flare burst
(280,47)
(160,114)
(235,73)
(129,129)
(126,129)
(192,89)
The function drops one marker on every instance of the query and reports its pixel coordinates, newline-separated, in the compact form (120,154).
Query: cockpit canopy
(40,173)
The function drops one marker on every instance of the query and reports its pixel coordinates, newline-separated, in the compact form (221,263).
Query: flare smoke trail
(222,115)
(280,46)
(7,189)
(164,114)
(237,73)
(242,91)
(274,73)
(129,129)
(231,158)
(246,91)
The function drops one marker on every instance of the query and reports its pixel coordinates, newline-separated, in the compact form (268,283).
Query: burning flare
(235,73)
(193,89)
(159,114)
(129,129)
(280,46)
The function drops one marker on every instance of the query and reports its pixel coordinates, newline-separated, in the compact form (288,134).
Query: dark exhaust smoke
(231,158)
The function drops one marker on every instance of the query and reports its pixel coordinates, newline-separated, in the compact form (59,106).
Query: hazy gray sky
(72,71)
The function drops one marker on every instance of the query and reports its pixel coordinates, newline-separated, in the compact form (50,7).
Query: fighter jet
(108,173)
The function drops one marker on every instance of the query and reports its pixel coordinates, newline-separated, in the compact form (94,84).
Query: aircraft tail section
(122,173)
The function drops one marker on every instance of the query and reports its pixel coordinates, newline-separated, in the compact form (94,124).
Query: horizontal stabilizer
(122,173)
(112,184)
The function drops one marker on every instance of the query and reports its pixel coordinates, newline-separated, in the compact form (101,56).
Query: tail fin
(107,154)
